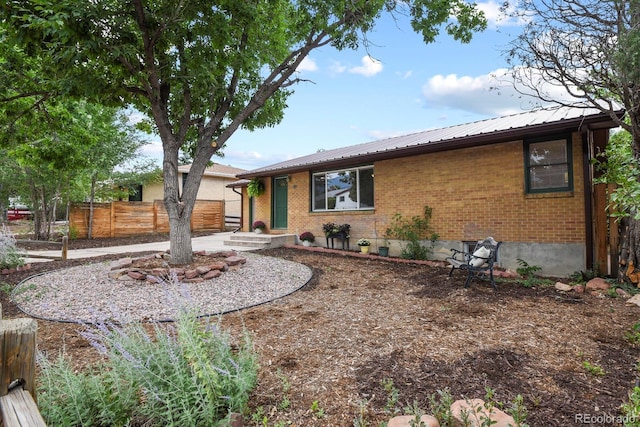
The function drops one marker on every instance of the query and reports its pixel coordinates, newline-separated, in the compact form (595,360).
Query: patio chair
(477,263)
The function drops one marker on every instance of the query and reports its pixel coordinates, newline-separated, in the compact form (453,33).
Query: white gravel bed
(87,294)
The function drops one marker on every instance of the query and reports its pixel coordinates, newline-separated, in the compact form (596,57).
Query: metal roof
(489,131)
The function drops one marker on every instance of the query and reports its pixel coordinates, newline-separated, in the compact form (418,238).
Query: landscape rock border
(132,269)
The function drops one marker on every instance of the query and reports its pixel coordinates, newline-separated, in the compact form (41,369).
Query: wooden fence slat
(123,219)
(18,406)
(20,410)
(18,348)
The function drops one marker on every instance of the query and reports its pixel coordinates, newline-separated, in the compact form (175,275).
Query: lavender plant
(189,373)
(10,255)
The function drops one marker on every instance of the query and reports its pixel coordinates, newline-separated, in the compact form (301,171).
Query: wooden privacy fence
(123,219)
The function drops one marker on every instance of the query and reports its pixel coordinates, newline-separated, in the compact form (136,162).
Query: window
(548,165)
(137,194)
(347,189)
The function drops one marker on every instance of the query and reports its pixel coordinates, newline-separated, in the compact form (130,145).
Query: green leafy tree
(590,50)
(66,153)
(201,70)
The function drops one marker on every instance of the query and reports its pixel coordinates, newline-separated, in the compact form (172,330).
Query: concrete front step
(260,241)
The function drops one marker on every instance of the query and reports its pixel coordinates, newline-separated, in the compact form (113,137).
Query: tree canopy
(201,70)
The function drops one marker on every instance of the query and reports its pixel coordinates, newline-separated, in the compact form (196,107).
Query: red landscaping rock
(405,421)
(136,275)
(190,274)
(219,265)
(203,270)
(477,414)
(235,260)
(598,284)
(153,269)
(212,274)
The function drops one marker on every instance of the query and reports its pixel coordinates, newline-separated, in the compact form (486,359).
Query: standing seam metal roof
(506,126)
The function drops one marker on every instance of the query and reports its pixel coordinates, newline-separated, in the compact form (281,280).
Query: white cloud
(307,64)
(492,94)
(152,149)
(337,68)
(370,67)
(497,17)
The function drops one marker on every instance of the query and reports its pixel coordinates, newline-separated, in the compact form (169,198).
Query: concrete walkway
(213,242)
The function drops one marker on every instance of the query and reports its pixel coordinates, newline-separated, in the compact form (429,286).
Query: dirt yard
(325,350)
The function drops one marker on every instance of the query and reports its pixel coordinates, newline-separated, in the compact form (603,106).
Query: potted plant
(364,245)
(259,226)
(255,187)
(332,229)
(307,238)
(384,249)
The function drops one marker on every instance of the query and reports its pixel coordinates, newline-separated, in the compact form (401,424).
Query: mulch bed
(362,321)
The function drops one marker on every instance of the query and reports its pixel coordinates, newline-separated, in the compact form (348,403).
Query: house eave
(495,137)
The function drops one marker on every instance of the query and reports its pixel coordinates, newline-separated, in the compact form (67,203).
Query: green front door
(280,202)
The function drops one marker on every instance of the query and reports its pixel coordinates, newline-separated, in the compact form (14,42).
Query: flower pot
(306,243)
(383,251)
(364,249)
(258,231)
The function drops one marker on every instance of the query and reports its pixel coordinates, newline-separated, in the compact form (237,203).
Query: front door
(280,195)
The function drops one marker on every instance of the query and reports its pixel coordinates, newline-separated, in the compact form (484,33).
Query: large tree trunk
(180,240)
(629,250)
(179,211)
(91,198)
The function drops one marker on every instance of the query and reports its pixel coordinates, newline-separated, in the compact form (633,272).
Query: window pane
(366,188)
(343,190)
(338,193)
(319,194)
(549,168)
(549,177)
(548,152)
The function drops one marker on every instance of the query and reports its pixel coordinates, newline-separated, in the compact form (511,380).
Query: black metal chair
(477,263)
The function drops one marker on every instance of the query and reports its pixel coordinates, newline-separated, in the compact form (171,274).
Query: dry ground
(361,321)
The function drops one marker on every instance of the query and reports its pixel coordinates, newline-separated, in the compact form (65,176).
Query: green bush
(187,374)
(413,233)
(10,255)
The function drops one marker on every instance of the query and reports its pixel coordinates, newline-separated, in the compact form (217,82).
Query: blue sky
(407,87)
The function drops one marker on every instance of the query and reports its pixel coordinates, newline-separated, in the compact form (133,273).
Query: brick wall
(474,192)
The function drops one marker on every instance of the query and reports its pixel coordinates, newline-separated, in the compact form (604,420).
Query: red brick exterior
(474,193)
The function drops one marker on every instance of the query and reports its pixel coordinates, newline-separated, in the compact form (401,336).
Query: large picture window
(548,165)
(346,189)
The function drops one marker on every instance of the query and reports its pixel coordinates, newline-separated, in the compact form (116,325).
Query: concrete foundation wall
(555,259)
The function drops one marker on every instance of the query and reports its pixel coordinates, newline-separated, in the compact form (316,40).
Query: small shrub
(413,232)
(10,255)
(582,277)
(633,336)
(528,274)
(185,374)
(259,225)
(593,369)
(631,409)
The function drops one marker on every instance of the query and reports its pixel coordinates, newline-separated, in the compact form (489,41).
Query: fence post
(65,247)
(17,352)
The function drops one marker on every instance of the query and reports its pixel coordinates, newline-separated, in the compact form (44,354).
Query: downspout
(588,196)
